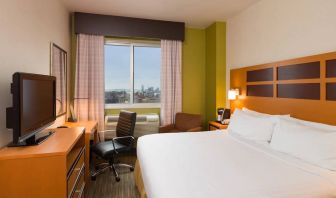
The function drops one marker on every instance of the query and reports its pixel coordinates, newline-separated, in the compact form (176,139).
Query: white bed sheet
(218,164)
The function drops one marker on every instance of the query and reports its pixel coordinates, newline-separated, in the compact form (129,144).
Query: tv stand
(54,169)
(34,140)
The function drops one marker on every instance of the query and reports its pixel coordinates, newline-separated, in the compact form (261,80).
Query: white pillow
(287,116)
(305,142)
(313,124)
(256,113)
(251,127)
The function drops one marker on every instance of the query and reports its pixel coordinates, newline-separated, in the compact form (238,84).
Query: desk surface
(60,143)
(88,125)
(217,125)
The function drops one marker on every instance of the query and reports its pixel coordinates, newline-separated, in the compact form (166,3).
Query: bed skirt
(138,180)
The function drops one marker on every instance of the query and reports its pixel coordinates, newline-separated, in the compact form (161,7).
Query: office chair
(121,144)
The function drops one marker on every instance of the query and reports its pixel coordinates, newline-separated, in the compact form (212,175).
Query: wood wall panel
(260,75)
(331,91)
(331,68)
(313,110)
(309,91)
(260,90)
(299,71)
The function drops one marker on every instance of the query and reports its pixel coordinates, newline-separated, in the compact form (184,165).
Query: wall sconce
(233,93)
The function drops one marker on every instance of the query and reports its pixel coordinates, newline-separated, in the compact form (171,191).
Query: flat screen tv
(34,106)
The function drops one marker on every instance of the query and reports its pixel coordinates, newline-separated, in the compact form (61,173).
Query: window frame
(132,44)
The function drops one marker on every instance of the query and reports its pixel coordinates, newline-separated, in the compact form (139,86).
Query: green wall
(210,74)
(193,70)
(220,64)
(215,69)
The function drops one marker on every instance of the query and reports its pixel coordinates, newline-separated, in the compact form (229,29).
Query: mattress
(218,164)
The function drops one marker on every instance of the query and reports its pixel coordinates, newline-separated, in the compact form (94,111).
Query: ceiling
(195,13)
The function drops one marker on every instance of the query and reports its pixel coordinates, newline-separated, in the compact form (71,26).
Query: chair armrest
(123,137)
(166,128)
(196,129)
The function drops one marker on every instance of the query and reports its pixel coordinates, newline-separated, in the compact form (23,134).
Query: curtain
(171,81)
(89,80)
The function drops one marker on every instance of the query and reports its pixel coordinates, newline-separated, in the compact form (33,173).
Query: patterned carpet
(106,186)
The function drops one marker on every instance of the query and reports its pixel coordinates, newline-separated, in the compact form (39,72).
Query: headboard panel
(303,87)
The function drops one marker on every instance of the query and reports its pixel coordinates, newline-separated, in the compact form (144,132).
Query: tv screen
(34,105)
(37,106)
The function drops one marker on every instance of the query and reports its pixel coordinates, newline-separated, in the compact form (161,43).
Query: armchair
(184,122)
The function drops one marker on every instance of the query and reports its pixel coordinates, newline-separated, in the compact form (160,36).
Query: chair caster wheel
(93,178)
(131,169)
(118,179)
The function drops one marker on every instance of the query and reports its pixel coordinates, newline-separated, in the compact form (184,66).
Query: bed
(226,164)
(217,164)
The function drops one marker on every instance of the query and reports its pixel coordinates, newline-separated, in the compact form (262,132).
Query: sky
(117,67)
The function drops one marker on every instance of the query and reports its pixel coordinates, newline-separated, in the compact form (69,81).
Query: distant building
(122,96)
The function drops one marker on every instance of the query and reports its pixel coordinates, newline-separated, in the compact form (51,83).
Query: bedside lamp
(233,93)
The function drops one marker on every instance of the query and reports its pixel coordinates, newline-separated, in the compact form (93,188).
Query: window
(132,75)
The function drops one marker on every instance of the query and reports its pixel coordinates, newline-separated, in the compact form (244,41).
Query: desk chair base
(101,168)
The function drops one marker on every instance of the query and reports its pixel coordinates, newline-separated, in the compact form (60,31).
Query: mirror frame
(65,84)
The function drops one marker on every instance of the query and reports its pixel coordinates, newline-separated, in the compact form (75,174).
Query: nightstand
(213,125)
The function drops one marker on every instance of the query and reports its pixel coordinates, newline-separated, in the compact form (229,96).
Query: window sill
(133,106)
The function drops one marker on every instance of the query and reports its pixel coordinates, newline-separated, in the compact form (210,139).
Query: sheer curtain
(89,81)
(171,81)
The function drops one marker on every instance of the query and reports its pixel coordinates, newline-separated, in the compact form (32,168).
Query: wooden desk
(215,126)
(55,168)
(90,129)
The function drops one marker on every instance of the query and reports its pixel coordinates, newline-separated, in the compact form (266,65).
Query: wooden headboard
(304,87)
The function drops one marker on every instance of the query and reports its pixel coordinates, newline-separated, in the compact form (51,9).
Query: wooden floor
(106,186)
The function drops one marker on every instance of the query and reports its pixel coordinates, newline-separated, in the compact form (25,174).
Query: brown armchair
(184,122)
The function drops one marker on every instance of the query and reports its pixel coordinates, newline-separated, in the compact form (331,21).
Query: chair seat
(175,130)
(106,149)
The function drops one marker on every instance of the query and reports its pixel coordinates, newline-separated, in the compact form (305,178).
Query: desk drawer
(79,190)
(74,175)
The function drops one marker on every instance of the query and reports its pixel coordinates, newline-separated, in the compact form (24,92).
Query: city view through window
(132,74)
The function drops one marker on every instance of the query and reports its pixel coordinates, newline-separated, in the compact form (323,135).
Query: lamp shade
(233,93)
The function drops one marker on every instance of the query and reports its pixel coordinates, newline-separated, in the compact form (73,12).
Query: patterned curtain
(171,81)
(89,81)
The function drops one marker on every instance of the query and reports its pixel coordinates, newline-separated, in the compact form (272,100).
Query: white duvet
(217,164)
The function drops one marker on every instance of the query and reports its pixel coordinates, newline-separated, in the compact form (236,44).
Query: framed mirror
(58,68)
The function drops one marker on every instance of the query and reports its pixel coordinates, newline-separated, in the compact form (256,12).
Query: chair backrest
(186,121)
(125,126)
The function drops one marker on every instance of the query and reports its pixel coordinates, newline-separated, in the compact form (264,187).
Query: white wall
(274,30)
(26,29)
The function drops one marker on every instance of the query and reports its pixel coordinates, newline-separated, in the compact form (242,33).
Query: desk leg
(87,158)
(87,153)
(96,137)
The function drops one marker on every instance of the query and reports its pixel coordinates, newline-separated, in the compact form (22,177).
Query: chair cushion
(186,121)
(106,150)
(173,130)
